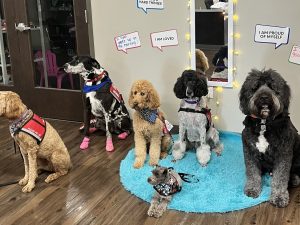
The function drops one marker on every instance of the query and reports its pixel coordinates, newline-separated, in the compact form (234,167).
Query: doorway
(36,38)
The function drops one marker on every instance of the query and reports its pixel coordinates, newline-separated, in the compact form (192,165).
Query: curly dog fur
(194,128)
(144,96)
(201,61)
(270,141)
(51,155)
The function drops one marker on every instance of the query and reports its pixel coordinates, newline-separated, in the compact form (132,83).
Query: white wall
(113,18)
(258,55)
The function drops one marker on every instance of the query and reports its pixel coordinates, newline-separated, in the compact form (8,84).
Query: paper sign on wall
(295,55)
(272,34)
(150,4)
(128,41)
(164,39)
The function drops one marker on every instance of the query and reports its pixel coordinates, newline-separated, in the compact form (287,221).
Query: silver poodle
(195,127)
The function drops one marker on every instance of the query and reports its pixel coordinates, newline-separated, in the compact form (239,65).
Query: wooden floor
(92,194)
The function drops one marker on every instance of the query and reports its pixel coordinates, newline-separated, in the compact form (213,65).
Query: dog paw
(123,136)
(280,199)
(138,164)
(85,143)
(252,192)
(157,213)
(163,155)
(23,181)
(109,145)
(150,212)
(153,162)
(28,188)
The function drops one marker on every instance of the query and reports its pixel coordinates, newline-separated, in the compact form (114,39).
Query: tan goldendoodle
(148,124)
(40,145)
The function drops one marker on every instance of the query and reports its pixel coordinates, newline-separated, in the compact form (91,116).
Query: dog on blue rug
(166,182)
(102,100)
(271,143)
(195,126)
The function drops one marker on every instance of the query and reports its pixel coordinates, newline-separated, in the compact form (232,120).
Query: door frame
(47,102)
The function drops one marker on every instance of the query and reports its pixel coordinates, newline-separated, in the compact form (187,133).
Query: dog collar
(89,88)
(256,122)
(149,115)
(196,101)
(99,77)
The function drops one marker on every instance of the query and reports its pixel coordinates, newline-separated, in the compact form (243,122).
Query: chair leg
(71,80)
(42,80)
(58,81)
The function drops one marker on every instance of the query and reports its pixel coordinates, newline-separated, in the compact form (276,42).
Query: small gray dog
(195,127)
(271,142)
(166,182)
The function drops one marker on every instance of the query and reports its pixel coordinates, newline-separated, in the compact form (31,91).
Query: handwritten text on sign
(272,34)
(164,39)
(295,55)
(128,41)
(150,4)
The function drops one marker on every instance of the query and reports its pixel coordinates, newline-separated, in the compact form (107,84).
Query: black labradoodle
(270,140)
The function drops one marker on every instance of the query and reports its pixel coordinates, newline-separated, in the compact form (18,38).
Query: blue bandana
(87,88)
(149,115)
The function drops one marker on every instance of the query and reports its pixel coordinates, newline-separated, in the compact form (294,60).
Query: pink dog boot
(92,130)
(109,145)
(123,136)
(85,143)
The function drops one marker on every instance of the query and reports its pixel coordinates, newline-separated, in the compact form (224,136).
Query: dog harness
(31,124)
(169,188)
(89,87)
(205,111)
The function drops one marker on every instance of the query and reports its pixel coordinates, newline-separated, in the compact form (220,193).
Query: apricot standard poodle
(148,124)
(40,145)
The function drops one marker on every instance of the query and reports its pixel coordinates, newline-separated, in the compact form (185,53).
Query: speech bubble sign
(150,4)
(272,34)
(128,41)
(164,39)
(295,55)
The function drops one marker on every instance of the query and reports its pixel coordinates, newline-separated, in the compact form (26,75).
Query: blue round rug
(221,183)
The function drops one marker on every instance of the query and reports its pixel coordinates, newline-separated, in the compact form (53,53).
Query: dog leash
(186,177)
(15,181)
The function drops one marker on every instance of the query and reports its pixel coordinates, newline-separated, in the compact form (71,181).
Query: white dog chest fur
(95,103)
(262,143)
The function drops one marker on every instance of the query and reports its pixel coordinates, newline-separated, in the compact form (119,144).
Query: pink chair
(52,69)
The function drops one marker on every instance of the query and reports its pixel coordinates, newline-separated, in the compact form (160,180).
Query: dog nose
(149,180)
(189,92)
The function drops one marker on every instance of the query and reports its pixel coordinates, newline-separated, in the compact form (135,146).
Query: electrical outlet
(210,92)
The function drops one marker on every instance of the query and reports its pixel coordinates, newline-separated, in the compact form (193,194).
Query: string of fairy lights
(235,52)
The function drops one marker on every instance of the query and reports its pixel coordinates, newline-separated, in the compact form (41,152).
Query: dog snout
(149,179)
(189,92)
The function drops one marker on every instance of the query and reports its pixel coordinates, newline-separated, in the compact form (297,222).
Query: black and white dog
(103,101)
(195,127)
(271,142)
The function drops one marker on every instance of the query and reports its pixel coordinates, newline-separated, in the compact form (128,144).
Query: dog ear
(13,103)
(130,99)
(95,64)
(201,86)
(153,98)
(165,171)
(179,87)
(286,98)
